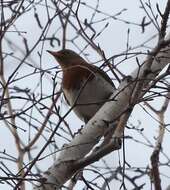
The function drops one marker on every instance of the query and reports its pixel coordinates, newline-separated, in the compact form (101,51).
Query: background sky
(113,41)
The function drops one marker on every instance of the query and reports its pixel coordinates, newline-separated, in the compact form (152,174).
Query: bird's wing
(104,74)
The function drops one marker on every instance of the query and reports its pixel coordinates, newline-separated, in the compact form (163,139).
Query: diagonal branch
(122,102)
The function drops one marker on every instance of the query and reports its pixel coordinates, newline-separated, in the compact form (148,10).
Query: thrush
(86,87)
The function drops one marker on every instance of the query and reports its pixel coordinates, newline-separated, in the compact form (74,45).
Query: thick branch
(122,101)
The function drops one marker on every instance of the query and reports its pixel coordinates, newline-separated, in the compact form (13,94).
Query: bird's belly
(84,106)
(89,98)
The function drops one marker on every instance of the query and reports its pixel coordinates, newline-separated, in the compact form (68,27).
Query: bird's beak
(51,52)
(56,54)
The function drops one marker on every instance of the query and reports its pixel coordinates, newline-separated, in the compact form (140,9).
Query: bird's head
(67,58)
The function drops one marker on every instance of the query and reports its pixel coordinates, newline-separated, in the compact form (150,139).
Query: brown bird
(85,86)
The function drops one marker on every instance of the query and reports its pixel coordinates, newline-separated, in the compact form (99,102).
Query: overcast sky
(113,41)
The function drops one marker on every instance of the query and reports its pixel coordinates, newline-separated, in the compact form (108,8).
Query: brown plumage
(85,86)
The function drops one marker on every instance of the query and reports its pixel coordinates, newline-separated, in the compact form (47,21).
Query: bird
(86,87)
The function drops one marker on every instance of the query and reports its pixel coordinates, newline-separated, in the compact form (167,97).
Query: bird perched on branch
(85,86)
